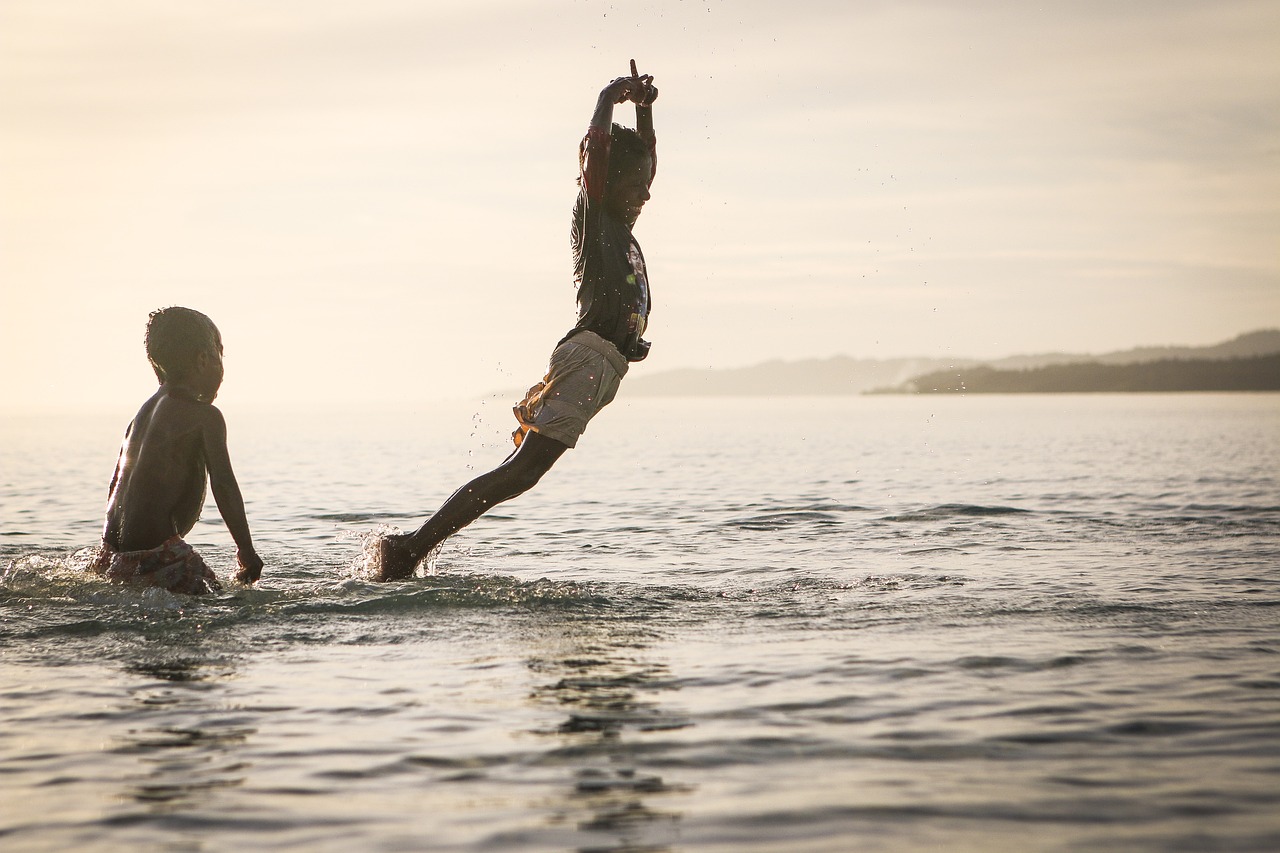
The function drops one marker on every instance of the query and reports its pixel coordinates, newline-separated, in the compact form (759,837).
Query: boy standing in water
(175,441)
(616,167)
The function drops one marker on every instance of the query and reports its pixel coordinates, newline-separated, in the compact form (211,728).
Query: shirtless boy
(616,168)
(177,440)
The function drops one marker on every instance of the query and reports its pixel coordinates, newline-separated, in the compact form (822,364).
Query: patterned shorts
(583,378)
(174,566)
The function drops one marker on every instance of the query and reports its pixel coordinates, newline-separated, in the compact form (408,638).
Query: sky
(372,199)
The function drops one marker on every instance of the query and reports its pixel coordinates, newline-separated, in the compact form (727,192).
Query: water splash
(366,565)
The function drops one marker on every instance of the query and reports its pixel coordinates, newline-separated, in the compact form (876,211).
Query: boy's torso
(161,480)
(613,287)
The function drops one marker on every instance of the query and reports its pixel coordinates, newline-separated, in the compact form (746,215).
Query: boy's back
(159,485)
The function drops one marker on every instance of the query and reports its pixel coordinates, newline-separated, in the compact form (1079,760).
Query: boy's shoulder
(176,412)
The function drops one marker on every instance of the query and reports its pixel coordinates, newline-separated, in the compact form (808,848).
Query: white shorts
(582,379)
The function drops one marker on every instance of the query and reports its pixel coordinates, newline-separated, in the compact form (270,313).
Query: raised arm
(644,121)
(226,491)
(643,96)
(593,156)
(618,91)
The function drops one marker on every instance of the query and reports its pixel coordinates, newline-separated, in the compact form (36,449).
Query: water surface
(971,623)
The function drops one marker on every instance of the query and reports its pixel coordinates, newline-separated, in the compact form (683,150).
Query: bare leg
(399,555)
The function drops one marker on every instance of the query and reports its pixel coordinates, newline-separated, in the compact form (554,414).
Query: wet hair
(627,149)
(175,339)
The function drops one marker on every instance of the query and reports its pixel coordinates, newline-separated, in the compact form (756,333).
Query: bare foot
(395,562)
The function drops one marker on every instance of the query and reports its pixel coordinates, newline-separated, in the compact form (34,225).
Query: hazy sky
(372,198)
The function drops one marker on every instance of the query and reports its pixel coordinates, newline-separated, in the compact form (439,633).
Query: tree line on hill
(1259,373)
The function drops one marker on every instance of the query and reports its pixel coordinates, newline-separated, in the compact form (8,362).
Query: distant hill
(1260,373)
(1263,342)
(843,375)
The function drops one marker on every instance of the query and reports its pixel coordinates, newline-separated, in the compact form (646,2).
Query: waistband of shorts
(593,341)
(173,541)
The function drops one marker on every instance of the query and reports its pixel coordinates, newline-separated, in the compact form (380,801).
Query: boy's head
(630,173)
(181,344)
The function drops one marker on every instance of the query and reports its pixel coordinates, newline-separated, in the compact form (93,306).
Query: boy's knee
(525,468)
(525,476)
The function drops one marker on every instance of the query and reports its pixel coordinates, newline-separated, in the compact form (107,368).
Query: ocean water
(865,624)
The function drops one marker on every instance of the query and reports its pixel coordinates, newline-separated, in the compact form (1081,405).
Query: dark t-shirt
(608,266)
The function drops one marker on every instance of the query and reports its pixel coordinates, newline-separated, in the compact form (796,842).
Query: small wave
(451,591)
(779,520)
(1225,514)
(822,514)
(1020,664)
(945,511)
(353,517)
(880,583)
(60,597)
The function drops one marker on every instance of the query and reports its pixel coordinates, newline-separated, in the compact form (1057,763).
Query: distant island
(1249,362)
(1260,373)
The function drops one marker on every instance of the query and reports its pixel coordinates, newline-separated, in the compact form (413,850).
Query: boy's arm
(593,155)
(226,491)
(618,91)
(643,94)
(644,125)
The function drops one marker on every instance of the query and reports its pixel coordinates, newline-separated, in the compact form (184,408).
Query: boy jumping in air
(616,167)
(175,441)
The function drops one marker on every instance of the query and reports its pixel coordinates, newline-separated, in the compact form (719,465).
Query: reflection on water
(185,747)
(603,676)
(180,669)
